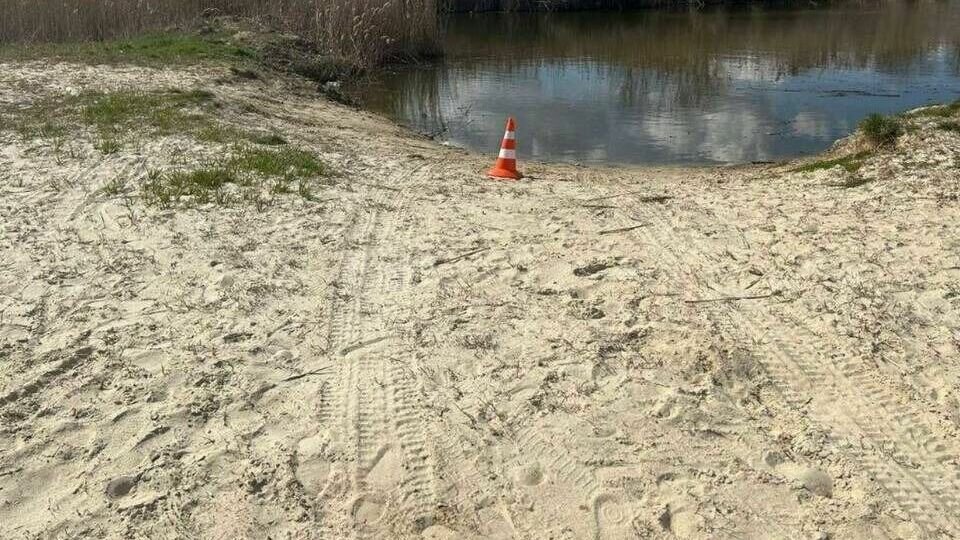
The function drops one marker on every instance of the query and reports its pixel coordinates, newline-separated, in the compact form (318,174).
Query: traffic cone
(506,165)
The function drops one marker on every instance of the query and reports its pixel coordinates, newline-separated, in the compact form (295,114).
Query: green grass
(107,144)
(150,50)
(851,163)
(881,130)
(289,163)
(940,111)
(268,139)
(854,182)
(117,116)
(282,167)
(112,116)
(248,167)
(202,186)
(43,119)
(254,158)
(115,186)
(950,126)
(164,111)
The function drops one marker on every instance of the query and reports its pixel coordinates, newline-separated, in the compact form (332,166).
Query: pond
(719,85)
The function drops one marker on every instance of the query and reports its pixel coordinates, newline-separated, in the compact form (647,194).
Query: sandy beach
(417,351)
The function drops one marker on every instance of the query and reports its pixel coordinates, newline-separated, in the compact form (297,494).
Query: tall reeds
(370,30)
(361,31)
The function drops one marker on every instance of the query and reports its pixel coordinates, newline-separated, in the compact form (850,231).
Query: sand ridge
(420,352)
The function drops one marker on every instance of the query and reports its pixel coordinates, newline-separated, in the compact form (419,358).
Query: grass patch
(107,145)
(950,126)
(881,130)
(43,119)
(115,186)
(161,110)
(217,133)
(113,116)
(248,168)
(149,50)
(255,159)
(851,163)
(271,139)
(282,167)
(289,163)
(853,182)
(116,116)
(202,186)
(940,111)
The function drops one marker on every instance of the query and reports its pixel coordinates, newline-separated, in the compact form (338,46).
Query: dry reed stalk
(362,31)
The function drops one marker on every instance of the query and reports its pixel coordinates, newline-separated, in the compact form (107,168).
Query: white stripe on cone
(508,154)
(510,136)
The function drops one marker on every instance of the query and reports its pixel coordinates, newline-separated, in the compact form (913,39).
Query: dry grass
(362,31)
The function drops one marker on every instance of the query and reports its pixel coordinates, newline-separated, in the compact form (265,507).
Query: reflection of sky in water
(735,108)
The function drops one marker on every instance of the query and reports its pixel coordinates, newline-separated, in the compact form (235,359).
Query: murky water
(709,86)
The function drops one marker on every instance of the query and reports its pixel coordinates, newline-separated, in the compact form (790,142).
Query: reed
(363,31)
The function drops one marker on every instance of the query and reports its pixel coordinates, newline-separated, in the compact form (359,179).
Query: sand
(420,352)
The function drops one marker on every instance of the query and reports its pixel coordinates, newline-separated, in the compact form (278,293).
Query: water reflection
(729,85)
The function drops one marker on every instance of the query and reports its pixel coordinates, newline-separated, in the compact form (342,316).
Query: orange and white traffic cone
(506,166)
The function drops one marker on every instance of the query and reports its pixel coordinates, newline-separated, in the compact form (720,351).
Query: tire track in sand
(900,432)
(389,481)
(856,410)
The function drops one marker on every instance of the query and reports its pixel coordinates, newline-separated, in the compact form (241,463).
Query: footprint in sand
(313,470)
(529,475)
(613,517)
(382,481)
(368,509)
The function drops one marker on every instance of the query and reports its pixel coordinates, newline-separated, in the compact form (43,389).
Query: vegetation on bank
(120,117)
(364,32)
(241,176)
(881,131)
(252,163)
(157,49)
(851,163)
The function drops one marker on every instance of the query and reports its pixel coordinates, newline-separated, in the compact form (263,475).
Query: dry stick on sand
(459,257)
(733,298)
(652,198)
(321,371)
(624,229)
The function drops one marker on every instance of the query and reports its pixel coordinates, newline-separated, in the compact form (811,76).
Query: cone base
(504,174)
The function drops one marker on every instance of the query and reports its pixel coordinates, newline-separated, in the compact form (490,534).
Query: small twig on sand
(11,471)
(605,197)
(625,229)
(597,206)
(656,198)
(733,298)
(652,198)
(320,371)
(654,382)
(754,282)
(473,420)
(459,257)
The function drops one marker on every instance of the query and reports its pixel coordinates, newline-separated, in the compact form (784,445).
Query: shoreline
(342,328)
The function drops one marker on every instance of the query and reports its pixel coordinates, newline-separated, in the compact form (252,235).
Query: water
(726,85)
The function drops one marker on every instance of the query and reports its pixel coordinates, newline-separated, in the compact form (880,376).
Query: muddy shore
(415,351)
